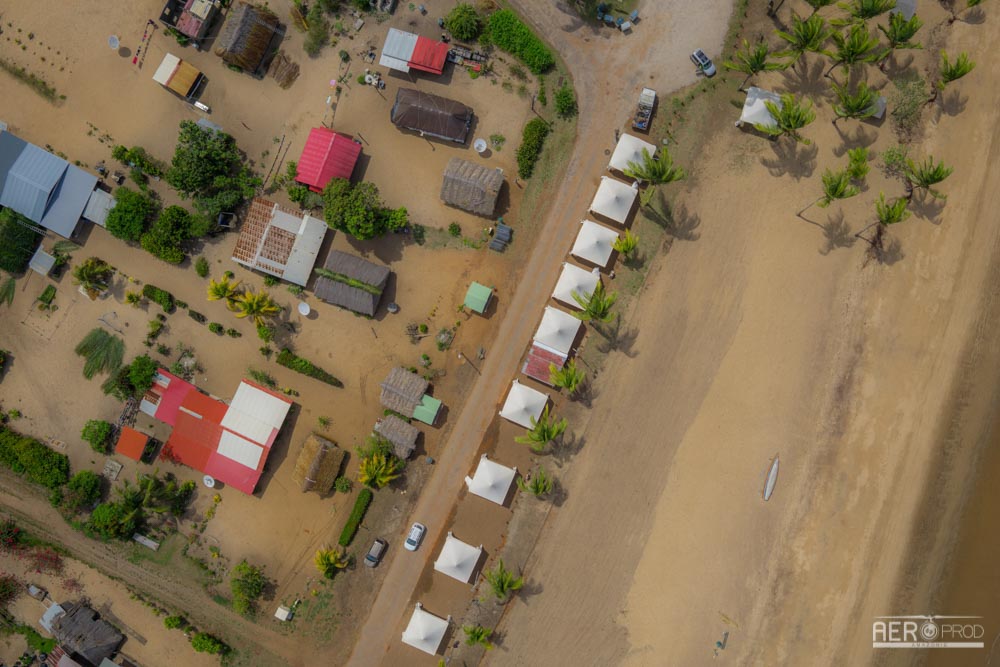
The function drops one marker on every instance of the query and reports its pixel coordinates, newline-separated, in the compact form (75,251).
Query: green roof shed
(427,410)
(478,297)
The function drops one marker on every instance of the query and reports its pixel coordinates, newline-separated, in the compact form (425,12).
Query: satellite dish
(113,42)
(304,308)
(479,145)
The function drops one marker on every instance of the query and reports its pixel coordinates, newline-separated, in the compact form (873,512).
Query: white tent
(491,481)
(425,631)
(754,111)
(574,279)
(523,404)
(614,199)
(457,559)
(594,243)
(557,330)
(629,149)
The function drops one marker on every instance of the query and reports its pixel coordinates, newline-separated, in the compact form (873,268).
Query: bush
(233,333)
(343,484)
(455,229)
(319,31)
(168,234)
(131,214)
(30,458)
(358,210)
(201,267)
(907,103)
(566,101)
(141,373)
(81,492)
(532,140)
(10,534)
(17,241)
(197,317)
(216,328)
(161,297)
(289,360)
(182,498)
(206,643)
(354,520)
(112,521)
(510,34)
(174,622)
(265,333)
(98,433)
(10,588)
(247,584)
(463,22)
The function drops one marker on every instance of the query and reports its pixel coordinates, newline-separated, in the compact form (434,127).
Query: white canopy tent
(574,279)
(425,630)
(629,149)
(523,404)
(754,111)
(457,559)
(557,330)
(491,481)
(594,243)
(614,199)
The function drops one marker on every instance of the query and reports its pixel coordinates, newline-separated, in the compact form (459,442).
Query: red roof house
(405,50)
(327,155)
(429,55)
(131,443)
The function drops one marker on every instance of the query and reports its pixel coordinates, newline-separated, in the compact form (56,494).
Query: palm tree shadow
(894,67)
(677,221)
(793,158)
(952,103)
(568,446)
(808,80)
(836,234)
(974,16)
(558,494)
(890,253)
(858,138)
(585,394)
(616,339)
(529,590)
(927,207)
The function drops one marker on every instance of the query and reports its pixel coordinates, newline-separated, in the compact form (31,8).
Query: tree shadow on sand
(951,103)
(676,221)
(857,137)
(791,158)
(836,234)
(568,446)
(927,207)
(808,80)
(617,339)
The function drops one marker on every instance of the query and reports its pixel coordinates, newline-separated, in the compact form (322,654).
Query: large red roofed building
(404,51)
(228,442)
(326,156)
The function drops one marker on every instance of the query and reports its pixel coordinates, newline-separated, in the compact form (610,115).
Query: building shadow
(279,450)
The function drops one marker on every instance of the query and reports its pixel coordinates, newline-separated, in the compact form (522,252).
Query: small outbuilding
(327,155)
(431,115)
(594,243)
(574,280)
(178,76)
(425,631)
(614,200)
(471,187)
(404,51)
(356,285)
(492,481)
(405,392)
(523,405)
(318,465)
(458,560)
(477,298)
(42,262)
(279,241)
(245,39)
(755,110)
(400,433)
(131,443)
(98,206)
(629,149)
(83,633)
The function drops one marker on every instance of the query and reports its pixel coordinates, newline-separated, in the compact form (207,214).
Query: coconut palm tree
(596,305)
(543,431)
(656,171)
(790,117)
(836,185)
(925,175)
(951,71)
(626,244)
(330,561)
(857,163)
(223,290)
(7,289)
(92,274)
(133,299)
(886,213)
(256,305)
(379,469)
(819,4)
(899,32)
(753,60)
(855,46)
(477,634)
(862,11)
(502,582)
(540,484)
(861,104)
(805,36)
(569,377)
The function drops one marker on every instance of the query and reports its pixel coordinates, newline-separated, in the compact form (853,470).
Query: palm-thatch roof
(401,434)
(318,464)
(358,286)
(245,38)
(471,187)
(402,391)
(83,632)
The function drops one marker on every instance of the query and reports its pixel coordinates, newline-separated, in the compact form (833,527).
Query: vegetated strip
(357,514)
(37,83)
(289,359)
(341,278)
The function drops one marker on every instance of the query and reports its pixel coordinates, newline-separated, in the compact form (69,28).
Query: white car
(415,537)
(703,63)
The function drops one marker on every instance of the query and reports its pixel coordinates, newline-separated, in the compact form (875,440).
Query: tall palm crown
(502,581)
(596,305)
(862,103)
(92,274)
(900,31)
(953,71)
(836,185)
(790,116)
(543,431)
(926,174)
(806,36)
(656,170)
(856,46)
(890,212)
(862,11)
(819,4)
(752,60)
(256,305)
(222,290)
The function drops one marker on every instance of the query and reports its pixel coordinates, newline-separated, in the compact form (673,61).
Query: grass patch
(907,103)
(33,81)
(163,556)
(341,278)
(103,352)
(357,515)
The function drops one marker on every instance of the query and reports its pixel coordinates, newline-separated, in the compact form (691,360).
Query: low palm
(862,11)
(857,163)
(887,213)
(223,290)
(627,243)
(502,581)
(477,634)
(854,47)
(569,377)
(790,116)
(805,36)
(925,175)
(953,71)
(836,185)
(543,431)
(540,484)
(257,305)
(657,171)
(92,274)
(861,104)
(819,4)
(330,561)
(753,60)
(900,32)
(378,470)
(596,306)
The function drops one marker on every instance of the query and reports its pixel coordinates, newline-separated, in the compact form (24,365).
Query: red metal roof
(171,396)
(429,55)
(327,155)
(537,364)
(131,443)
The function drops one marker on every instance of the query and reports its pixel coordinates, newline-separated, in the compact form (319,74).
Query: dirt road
(603,67)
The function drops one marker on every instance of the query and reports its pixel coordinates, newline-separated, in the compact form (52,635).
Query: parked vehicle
(415,537)
(703,63)
(375,553)
(644,111)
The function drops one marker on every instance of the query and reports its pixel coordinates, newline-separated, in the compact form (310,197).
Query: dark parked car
(375,553)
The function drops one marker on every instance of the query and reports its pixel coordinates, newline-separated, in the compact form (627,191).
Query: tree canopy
(165,239)
(463,22)
(358,210)
(130,215)
(18,240)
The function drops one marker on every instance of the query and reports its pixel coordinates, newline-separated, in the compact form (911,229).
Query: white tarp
(166,69)
(594,243)
(523,404)
(491,481)
(754,111)
(629,149)
(397,50)
(557,331)
(425,630)
(457,559)
(255,414)
(574,279)
(614,199)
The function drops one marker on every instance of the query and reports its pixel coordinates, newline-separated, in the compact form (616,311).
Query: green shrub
(174,622)
(182,498)
(455,229)
(532,140)
(30,458)
(141,373)
(233,333)
(98,433)
(17,241)
(343,484)
(357,514)
(463,22)
(81,492)
(510,34)
(289,360)
(201,267)
(216,328)
(161,297)
(566,101)
(206,643)
(247,584)
(112,521)
(131,214)
(270,281)
(319,31)
(197,317)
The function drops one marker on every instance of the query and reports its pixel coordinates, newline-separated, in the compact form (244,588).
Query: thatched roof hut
(471,187)
(82,632)
(402,391)
(401,434)
(245,38)
(357,284)
(318,464)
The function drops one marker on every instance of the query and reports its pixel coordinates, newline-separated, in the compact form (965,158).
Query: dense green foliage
(358,210)
(17,241)
(532,140)
(112,521)
(137,158)
(510,34)
(173,622)
(247,583)
(81,492)
(166,237)
(463,22)
(159,296)
(131,214)
(206,643)
(30,458)
(201,267)
(103,352)
(318,33)
(98,433)
(141,373)
(566,101)
(357,514)
(289,360)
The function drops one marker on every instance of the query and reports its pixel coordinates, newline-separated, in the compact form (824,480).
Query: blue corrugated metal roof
(31,180)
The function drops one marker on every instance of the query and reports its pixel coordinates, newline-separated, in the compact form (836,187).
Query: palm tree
(540,484)
(900,32)
(857,46)
(806,36)
(886,213)
(379,469)
(924,175)
(657,171)
(133,299)
(857,163)
(543,431)
(950,6)
(951,71)
(502,581)
(790,117)
(223,290)
(627,244)
(257,305)
(330,561)
(819,4)
(93,275)
(477,634)
(569,377)
(862,11)
(752,60)
(596,305)
(836,185)
(861,104)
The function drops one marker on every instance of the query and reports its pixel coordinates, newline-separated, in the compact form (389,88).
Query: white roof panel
(629,149)
(166,69)
(594,243)
(425,631)
(255,414)
(557,330)
(457,559)
(523,404)
(398,50)
(240,450)
(491,481)
(614,199)
(574,279)
(98,205)
(302,259)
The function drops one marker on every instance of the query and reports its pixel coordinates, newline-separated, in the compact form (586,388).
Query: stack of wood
(284,70)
